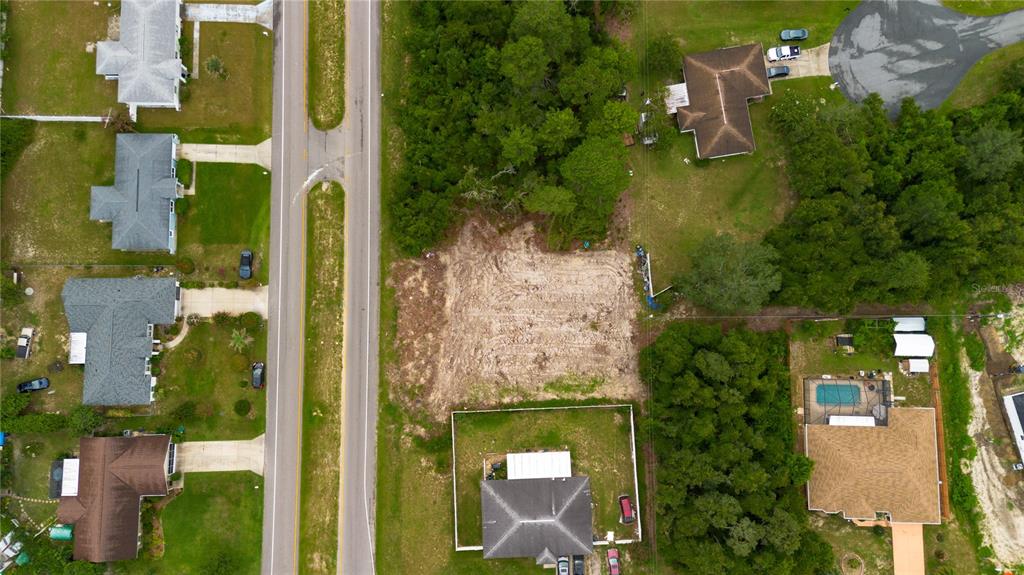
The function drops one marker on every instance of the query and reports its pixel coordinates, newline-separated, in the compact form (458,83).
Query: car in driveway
(793,34)
(613,562)
(258,374)
(245,265)
(562,566)
(578,568)
(778,72)
(34,385)
(779,53)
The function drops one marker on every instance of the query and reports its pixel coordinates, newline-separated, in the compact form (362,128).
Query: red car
(626,509)
(613,562)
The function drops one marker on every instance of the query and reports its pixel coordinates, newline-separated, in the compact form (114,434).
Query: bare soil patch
(494,319)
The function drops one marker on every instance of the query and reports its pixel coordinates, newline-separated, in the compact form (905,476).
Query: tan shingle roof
(863,470)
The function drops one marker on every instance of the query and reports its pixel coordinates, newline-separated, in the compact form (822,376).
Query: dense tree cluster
(730,276)
(509,106)
(920,207)
(728,498)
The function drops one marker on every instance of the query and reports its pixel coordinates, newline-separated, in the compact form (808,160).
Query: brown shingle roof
(114,473)
(863,470)
(720,83)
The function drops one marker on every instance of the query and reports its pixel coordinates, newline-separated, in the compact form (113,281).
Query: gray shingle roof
(145,59)
(116,313)
(140,201)
(539,518)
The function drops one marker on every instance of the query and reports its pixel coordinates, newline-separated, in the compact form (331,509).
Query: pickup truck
(24,343)
(783,53)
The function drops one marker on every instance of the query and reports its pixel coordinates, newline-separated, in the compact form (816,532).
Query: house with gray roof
(111,323)
(539,518)
(140,204)
(145,59)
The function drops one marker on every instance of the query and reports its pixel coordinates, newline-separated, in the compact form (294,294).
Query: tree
(518,147)
(13,404)
(992,152)
(36,423)
(559,127)
(524,62)
(616,119)
(83,420)
(601,74)
(730,276)
(595,171)
(663,56)
(240,340)
(546,21)
(550,200)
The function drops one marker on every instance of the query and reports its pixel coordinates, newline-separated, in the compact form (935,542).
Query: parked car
(783,53)
(34,385)
(578,568)
(258,368)
(613,562)
(563,566)
(793,34)
(24,343)
(1019,368)
(626,509)
(245,265)
(778,71)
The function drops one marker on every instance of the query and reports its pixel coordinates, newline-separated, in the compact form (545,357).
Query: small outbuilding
(539,465)
(918,345)
(909,324)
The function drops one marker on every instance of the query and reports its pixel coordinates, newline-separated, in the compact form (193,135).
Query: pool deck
(871,402)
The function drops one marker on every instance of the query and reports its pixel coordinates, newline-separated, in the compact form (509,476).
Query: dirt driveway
(496,319)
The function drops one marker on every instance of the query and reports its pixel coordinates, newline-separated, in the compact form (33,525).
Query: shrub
(176,476)
(975,349)
(84,420)
(185,412)
(13,404)
(251,321)
(10,293)
(185,265)
(222,319)
(7,352)
(36,423)
(242,407)
(182,205)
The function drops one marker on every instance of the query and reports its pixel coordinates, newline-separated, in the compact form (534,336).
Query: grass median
(326,63)
(321,398)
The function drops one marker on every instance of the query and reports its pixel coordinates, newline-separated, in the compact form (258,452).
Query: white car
(783,53)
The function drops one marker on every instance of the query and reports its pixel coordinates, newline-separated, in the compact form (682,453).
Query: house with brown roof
(102,491)
(712,101)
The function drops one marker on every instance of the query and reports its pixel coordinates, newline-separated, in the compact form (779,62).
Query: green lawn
(321,392)
(873,546)
(231,110)
(326,63)
(676,205)
(984,7)
(598,439)
(204,370)
(949,540)
(213,526)
(229,212)
(983,81)
(47,69)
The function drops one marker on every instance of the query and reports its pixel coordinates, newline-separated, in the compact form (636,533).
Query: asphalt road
(918,49)
(285,341)
(361,135)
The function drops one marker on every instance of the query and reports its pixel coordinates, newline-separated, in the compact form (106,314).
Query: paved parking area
(812,62)
(197,456)
(258,154)
(207,302)
(916,49)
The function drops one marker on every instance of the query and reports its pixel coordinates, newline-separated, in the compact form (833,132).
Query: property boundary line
(632,450)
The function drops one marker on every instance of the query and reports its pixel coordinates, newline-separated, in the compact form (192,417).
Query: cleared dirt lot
(494,318)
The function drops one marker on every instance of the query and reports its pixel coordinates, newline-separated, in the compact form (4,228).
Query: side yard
(321,391)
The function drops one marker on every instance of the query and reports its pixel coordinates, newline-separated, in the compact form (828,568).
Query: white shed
(917,366)
(914,345)
(909,324)
(539,465)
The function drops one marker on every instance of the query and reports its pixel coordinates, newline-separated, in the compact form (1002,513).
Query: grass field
(598,439)
(213,526)
(982,81)
(326,63)
(47,69)
(229,212)
(676,205)
(235,109)
(321,392)
(984,7)
(205,371)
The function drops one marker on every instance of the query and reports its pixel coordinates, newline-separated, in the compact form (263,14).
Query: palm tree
(240,340)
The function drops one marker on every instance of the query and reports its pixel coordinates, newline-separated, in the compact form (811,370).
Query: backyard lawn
(229,212)
(48,69)
(201,381)
(232,106)
(598,439)
(852,544)
(213,526)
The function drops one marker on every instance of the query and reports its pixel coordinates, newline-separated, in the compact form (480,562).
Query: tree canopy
(730,276)
(727,498)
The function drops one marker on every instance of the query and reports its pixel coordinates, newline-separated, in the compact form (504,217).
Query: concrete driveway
(812,62)
(258,154)
(916,49)
(197,456)
(207,302)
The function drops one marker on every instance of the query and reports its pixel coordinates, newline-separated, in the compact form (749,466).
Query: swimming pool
(837,394)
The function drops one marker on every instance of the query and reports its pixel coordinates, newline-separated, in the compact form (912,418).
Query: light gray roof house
(141,202)
(111,323)
(145,61)
(540,518)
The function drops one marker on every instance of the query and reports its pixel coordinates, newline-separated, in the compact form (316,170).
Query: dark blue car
(245,265)
(34,385)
